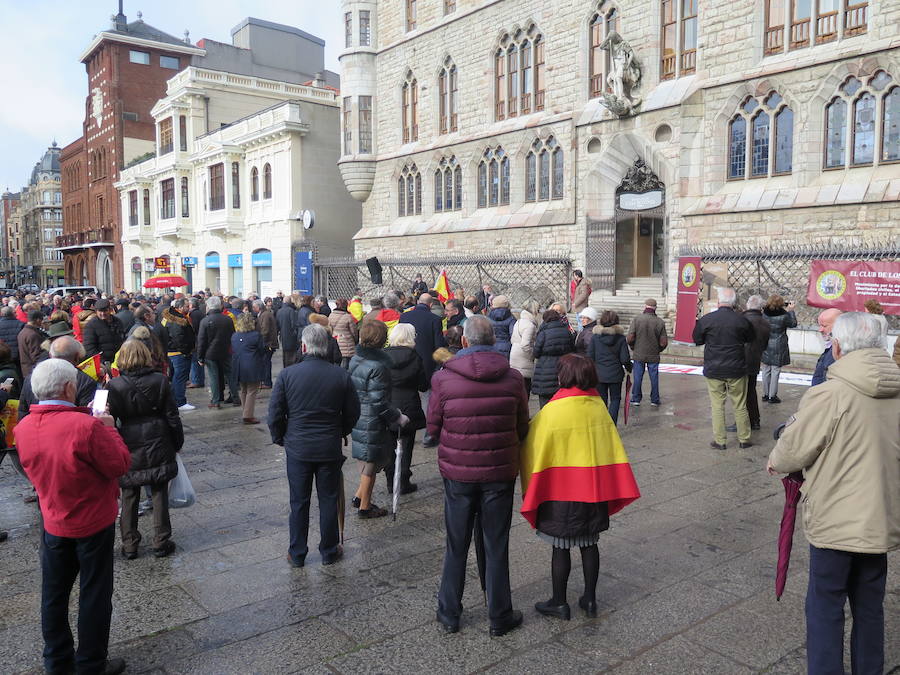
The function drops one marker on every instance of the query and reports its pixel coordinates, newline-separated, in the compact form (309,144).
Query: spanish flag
(443,287)
(573,453)
(92,366)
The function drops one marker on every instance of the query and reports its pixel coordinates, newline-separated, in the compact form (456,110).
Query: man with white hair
(313,406)
(214,351)
(68,349)
(74,460)
(845,437)
(724,333)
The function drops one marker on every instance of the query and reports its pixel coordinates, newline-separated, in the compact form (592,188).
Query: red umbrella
(166,281)
(792,483)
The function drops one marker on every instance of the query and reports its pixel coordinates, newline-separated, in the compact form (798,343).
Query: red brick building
(127,68)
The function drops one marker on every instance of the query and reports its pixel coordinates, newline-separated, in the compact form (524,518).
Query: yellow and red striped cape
(573,453)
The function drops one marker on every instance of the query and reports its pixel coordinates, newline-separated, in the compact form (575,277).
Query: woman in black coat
(407,380)
(777,354)
(373,442)
(249,361)
(609,352)
(554,339)
(141,401)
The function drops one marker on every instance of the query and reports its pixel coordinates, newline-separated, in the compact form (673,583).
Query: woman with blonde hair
(407,380)
(141,401)
(248,362)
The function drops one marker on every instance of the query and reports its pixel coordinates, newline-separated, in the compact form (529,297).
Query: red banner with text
(847,284)
(686,304)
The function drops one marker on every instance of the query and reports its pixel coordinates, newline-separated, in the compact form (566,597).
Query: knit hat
(589,313)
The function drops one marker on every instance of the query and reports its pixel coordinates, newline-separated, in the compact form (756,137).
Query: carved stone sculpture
(624,76)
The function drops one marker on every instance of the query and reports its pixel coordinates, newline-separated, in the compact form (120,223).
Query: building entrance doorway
(640,243)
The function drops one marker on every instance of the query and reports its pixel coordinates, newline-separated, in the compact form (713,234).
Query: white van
(66,290)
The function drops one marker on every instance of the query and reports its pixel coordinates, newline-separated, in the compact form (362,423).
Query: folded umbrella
(627,396)
(398,462)
(792,483)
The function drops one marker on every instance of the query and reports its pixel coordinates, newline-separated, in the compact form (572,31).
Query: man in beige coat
(845,437)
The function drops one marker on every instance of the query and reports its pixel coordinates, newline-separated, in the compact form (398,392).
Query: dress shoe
(228,400)
(4,535)
(765,399)
(236,403)
(513,622)
(589,606)
(447,625)
(114,667)
(731,427)
(754,426)
(429,443)
(333,558)
(165,550)
(743,446)
(408,488)
(372,512)
(251,420)
(774,399)
(355,502)
(717,446)
(295,563)
(215,406)
(129,555)
(547,608)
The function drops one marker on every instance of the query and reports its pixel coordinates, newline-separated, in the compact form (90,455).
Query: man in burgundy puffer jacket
(479,411)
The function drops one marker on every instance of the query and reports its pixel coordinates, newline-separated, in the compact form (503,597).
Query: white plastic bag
(181,492)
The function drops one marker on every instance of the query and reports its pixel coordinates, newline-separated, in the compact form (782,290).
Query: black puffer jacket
(572,519)
(178,330)
(149,423)
(407,380)
(9,333)
(724,332)
(286,318)
(503,322)
(777,352)
(214,338)
(103,337)
(609,352)
(370,372)
(553,340)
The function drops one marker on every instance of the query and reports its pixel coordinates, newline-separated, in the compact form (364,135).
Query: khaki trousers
(735,389)
(249,390)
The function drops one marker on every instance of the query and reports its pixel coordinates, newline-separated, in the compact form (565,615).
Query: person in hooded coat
(407,380)
(552,341)
(503,323)
(608,349)
(141,402)
(781,316)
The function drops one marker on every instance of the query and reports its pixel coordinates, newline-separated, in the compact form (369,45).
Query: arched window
(447,96)
(254,184)
(493,178)
(519,74)
(541,181)
(410,108)
(604,21)
(267,181)
(855,115)
(760,138)
(409,191)
(185,199)
(447,186)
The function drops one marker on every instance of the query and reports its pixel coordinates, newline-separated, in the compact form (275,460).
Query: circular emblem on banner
(831,285)
(689,275)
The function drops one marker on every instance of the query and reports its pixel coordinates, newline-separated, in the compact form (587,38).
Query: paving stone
(680,657)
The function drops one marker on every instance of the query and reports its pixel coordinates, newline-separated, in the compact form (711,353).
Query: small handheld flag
(443,287)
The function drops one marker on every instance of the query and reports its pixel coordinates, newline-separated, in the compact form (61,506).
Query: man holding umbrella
(845,437)
(313,406)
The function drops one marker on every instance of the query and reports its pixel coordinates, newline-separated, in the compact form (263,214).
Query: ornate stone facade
(682,130)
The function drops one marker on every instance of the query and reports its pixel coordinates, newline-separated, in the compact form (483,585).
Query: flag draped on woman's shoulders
(573,453)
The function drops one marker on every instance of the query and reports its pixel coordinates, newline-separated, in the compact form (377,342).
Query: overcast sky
(44,85)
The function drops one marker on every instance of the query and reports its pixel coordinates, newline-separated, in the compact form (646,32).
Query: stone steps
(628,300)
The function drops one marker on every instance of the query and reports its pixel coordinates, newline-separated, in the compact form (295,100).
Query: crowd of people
(463,370)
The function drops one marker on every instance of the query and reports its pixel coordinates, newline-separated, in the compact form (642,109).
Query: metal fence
(783,270)
(545,278)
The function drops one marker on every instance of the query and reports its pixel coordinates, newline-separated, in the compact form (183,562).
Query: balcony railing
(800,33)
(100,235)
(774,39)
(855,18)
(826,27)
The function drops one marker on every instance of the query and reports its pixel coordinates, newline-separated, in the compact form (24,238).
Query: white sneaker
(186,407)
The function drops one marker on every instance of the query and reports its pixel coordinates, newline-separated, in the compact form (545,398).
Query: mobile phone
(9,380)
(98,406)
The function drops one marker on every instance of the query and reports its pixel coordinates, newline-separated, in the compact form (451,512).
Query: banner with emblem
(847,284)
(686,303)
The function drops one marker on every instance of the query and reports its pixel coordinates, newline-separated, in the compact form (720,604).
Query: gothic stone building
(479,126)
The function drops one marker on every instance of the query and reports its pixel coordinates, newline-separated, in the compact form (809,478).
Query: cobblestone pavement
(686,584)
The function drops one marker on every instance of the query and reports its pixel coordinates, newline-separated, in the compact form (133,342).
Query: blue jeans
(653,371)
(328,479)
(611,393)
(835,577)
(181,366)
(198,377)
(63,559)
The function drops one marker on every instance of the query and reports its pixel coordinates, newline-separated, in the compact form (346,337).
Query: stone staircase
(628,300)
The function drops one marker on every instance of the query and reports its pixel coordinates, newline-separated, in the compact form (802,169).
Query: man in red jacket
(74,461)
(479,412)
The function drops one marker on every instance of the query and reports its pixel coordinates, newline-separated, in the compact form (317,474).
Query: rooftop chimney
(120,22)
(319,80)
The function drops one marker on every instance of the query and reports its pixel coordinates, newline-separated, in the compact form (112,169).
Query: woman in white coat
(522,355)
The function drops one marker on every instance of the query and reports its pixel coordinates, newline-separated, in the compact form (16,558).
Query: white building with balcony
(239,162)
